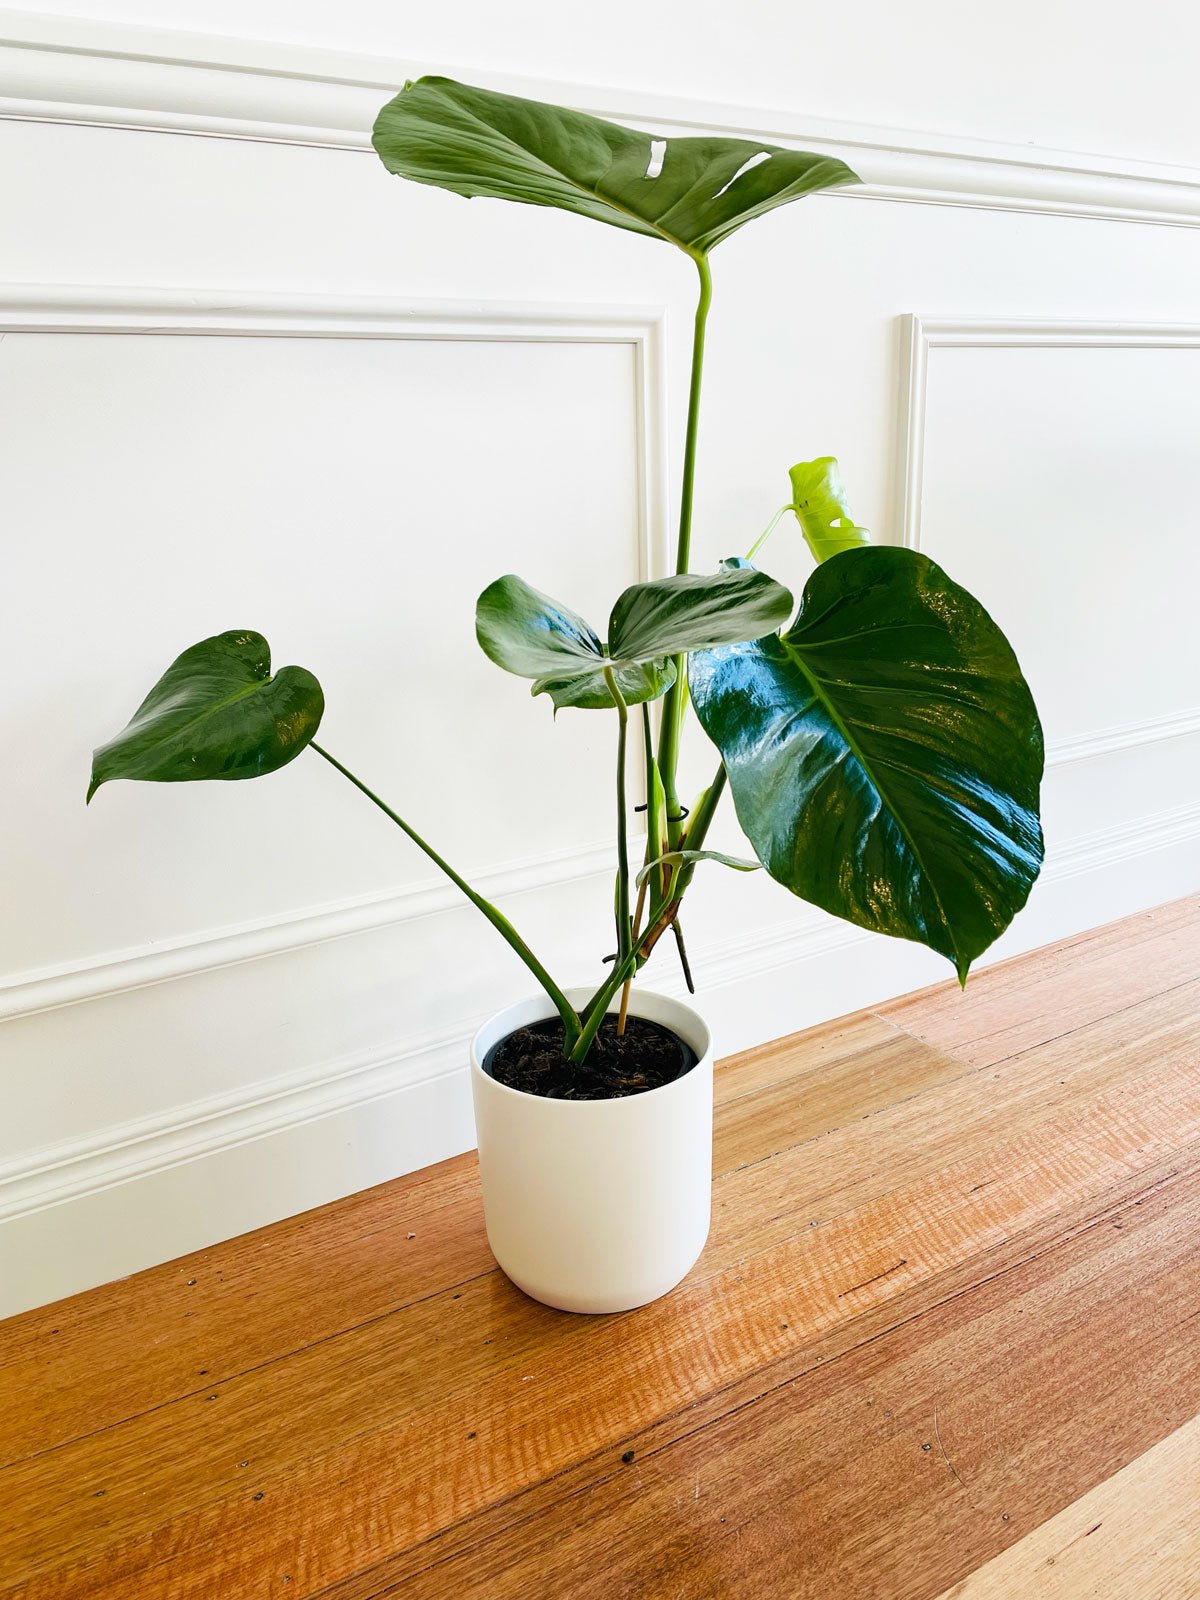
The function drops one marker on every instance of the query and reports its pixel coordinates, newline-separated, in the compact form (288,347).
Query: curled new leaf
(885,754)
(689,858)
(691,192)
(819,501)
(215,713)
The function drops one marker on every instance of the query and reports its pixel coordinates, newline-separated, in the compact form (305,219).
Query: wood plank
(1041,996)
(384,1446)
(197,1307)
(826,1173)
(243,1310)
(832,1078)
(428,1227)
(1135,1535)
(890,1471)
(386,1411)
(65,1369)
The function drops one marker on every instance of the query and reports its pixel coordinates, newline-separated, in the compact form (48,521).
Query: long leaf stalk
(676,697)
(768,531)
(570,1017)
(624,926)
(667,822)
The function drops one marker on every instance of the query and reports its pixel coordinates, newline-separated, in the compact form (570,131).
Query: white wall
(249,380)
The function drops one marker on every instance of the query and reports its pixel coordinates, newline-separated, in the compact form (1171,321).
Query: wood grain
(1135,1535)
(992,1223)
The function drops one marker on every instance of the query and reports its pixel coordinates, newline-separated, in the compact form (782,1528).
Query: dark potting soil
(645,1056)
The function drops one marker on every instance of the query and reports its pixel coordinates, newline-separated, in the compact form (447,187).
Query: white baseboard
(87,1211)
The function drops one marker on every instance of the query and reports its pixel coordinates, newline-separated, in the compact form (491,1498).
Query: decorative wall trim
(920,335)
(30,993)
(69,70)
(156,312)
(80,1168)
(1123,736)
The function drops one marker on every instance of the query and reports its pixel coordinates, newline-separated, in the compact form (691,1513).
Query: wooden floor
(945,1340)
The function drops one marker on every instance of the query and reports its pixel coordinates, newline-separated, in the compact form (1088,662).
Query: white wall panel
(348,498)
(328,395)
(1062,484)
(1052,467)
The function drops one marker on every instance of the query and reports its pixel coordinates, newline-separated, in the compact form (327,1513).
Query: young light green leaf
(819,501)
(885,753)
(690,857)
(216,713)
(526,632)
(694,611)
(691,192)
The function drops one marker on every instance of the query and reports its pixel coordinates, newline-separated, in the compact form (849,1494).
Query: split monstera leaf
(693,193)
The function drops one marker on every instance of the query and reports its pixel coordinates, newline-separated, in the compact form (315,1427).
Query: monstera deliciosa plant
(879,742)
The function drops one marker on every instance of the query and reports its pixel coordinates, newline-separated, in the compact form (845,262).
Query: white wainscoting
(1066,506)
(158,313)
(222,1004)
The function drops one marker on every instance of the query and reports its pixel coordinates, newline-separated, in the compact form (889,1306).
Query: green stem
(597,1007)
(655,833)
(698,825)
(624,929)
(676,697)
(767,531)
(571,1020)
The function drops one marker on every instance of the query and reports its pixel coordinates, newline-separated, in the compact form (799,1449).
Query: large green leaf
(691,192)
(530,634)
(885,753)
(215,713)
(819,501)
(696,610)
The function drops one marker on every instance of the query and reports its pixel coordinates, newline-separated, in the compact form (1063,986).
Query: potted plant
(881,748)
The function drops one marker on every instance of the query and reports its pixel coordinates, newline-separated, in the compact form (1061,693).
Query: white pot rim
(701,1048)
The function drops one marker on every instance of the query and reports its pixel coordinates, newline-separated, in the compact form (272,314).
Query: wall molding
(161,312)
(81,1168)
(921,334)
(118,75)
(1123,736)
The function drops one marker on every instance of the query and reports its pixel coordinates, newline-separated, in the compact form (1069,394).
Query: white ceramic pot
(596,1205)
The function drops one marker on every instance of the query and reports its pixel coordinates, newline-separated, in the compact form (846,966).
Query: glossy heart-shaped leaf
(819,501)
(526,632)
(535,636)
(215,713)
(694,611)
(691,192)
(885,753)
